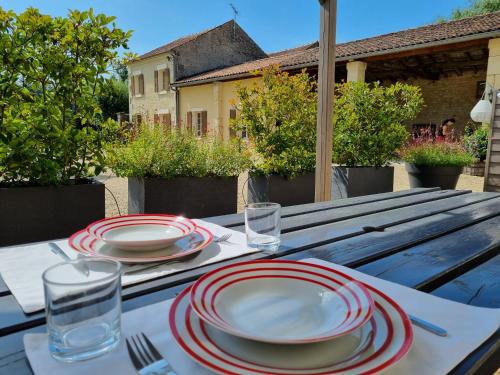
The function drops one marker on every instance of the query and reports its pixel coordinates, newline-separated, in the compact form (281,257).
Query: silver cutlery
(80,267)
(223,238)
(145,357)
(428,326)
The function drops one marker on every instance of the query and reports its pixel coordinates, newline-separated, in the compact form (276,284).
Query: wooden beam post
(326,84)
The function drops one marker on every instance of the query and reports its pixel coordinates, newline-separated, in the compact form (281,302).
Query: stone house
(152,96)
(450,62)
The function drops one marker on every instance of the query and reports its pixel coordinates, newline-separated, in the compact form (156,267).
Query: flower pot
(476,169)
(425,176)
(186,196)
(356,181)
(43,213)
(282,190)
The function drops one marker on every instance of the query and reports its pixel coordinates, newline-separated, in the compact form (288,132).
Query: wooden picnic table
(442,242)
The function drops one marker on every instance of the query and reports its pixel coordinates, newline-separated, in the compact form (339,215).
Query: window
(162,80)
(243,133)
(137,84)
(197,124)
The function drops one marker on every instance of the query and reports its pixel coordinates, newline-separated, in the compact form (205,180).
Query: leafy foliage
(280,118)
(368,121)
(154,152)
(52,71)
(476,143)
(113,98)
(475,8)
(437,154)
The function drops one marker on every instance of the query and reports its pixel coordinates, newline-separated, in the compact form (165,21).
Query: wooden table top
(443,242)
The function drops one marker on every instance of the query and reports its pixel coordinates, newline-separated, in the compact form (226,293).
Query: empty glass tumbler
(83,308)
(263,225)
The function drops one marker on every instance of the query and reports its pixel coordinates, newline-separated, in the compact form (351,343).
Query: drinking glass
(263,225)
(83,308)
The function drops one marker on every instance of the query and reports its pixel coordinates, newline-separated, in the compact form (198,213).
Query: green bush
(154,152)
(476,143)
(368,122)
(438,154)
(280,118)
(52,72)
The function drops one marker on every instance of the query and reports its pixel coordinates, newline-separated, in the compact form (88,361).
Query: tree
(475,8)
(53,70)
(113,98)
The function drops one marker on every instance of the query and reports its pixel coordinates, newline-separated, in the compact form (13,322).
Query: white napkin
(467,327)
(21,267)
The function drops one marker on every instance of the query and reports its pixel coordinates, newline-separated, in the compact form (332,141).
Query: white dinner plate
(389,333)
(142,232)
(86,244)
(280,301)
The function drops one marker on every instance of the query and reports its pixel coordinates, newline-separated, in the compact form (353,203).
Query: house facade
(152,96)
(451,62)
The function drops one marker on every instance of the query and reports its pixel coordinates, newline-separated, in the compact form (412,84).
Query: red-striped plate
(142,232)
(285,302)
(85,243)
(383,341)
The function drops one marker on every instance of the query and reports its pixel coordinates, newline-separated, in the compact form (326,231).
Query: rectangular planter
(188,196)
(354,182)
(41,213)
(278,189)
(476,169)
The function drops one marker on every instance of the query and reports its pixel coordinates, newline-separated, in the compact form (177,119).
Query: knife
(428,326)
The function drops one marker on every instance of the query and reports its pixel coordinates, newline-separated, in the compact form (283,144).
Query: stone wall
(452,96)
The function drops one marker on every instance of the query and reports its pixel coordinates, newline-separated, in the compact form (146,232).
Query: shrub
(154,152)
(52,71)
(368,121)
(476,142)
(280,119)
(437,154)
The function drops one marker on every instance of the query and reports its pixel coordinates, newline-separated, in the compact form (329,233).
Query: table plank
(435,262)
(239,219)
(479,287)
(359,250)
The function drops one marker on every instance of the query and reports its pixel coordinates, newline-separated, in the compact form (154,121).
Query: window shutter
(156,80)
(204,123)
(232,116)
(166,79)
(189,122)
(132,82)
(156,119)
(139,119)
(168,120)
(141,84)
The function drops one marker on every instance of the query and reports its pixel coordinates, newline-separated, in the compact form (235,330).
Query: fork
(146,358)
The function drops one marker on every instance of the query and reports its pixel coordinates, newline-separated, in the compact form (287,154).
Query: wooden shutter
(139,119)
(141,84)
(156,119)
(167,119)
(189,122)
(156,80)
(204,123)
(232,116)
(132,81)
(166,79)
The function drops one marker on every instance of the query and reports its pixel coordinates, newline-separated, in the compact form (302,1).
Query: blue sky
(273,24)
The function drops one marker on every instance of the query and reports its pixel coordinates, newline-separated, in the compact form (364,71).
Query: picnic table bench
(442,242)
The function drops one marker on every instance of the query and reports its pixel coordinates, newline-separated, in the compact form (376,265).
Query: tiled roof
(178,42)
(419,37)
(299,48)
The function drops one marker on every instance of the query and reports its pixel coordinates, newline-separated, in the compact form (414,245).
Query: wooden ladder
(492,167)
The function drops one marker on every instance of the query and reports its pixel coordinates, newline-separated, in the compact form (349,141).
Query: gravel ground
(118,187)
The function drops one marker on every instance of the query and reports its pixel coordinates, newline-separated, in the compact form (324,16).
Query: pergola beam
(326,84)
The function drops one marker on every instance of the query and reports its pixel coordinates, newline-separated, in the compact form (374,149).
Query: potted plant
(279,116)
(431,164)
(368,128)
(178,173)
(52,136)
(476,144)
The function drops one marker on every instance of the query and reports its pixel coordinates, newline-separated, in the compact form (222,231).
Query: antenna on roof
(235,13)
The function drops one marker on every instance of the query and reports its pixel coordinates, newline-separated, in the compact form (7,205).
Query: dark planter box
(476,169)
(278,189)
(187,196)
(443,177)
(41,213)
(353,182)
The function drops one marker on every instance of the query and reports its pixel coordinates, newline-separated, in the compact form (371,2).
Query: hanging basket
(481,111)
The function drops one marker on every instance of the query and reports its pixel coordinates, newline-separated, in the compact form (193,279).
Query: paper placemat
(21,267)
(467,326)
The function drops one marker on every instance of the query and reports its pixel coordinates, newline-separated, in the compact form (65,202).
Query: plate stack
(141,238)
(288,317)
